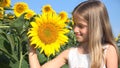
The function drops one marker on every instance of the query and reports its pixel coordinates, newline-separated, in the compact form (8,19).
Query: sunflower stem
(4,26)
(20,52)
(21,57)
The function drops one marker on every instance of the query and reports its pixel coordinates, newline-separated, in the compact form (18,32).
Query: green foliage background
(14,41)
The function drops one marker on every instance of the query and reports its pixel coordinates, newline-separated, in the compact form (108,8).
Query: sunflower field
(50,31)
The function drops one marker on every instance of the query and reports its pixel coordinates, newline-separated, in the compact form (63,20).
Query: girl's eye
(80,26)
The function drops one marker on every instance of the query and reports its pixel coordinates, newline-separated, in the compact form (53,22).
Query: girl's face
(81,30)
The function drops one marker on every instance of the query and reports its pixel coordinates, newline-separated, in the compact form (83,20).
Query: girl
(97,48)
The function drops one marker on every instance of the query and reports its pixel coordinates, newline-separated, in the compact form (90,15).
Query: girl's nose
(76,29)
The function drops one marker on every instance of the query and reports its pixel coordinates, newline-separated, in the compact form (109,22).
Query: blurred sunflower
(119,36)
(116,39)
(47,9)
(20,8)
(63,15)
(29,14)
(68,20)
(1,12)
(48,33)
(10,16)
(5,3)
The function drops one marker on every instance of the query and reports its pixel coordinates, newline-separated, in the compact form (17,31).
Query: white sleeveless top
(77,60)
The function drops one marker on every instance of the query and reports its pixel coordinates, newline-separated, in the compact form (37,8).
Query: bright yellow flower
(5,3)
(1,9)
(20,8)
(10,16)
(48,33)
(29,14)
(72,21)
(47,9)
(116,39)
(119,35)
(68,20)
(63,16)
(1,15)
(1,12)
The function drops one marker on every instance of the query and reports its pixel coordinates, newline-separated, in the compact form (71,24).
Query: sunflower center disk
(47,9)
(48,33)
(20,9)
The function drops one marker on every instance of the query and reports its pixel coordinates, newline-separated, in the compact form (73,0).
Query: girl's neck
(84,45)
(83,48)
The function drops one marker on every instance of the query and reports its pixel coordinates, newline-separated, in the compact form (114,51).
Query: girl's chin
(80,40)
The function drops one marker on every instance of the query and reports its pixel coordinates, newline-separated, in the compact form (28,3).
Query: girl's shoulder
(66,52)
(108,47)
(111,56)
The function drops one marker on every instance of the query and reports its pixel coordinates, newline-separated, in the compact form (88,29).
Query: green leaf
(14,65)
(4,47)
(42,58)
(4,61)
(18,23)
(11,40)
(20,64)
(24,64)
(65,66)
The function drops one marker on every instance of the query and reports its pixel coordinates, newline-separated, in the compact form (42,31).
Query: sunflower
(48,33)
(1,12)
(47,9)
(10,16)
(119,35)
(63,16)
(5,3)
(29,14)
(116,39)
(20,8)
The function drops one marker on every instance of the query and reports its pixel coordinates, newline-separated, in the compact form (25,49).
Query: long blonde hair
(99,29)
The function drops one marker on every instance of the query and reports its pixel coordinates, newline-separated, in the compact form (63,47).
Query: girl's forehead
(80,21)
(77,17)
